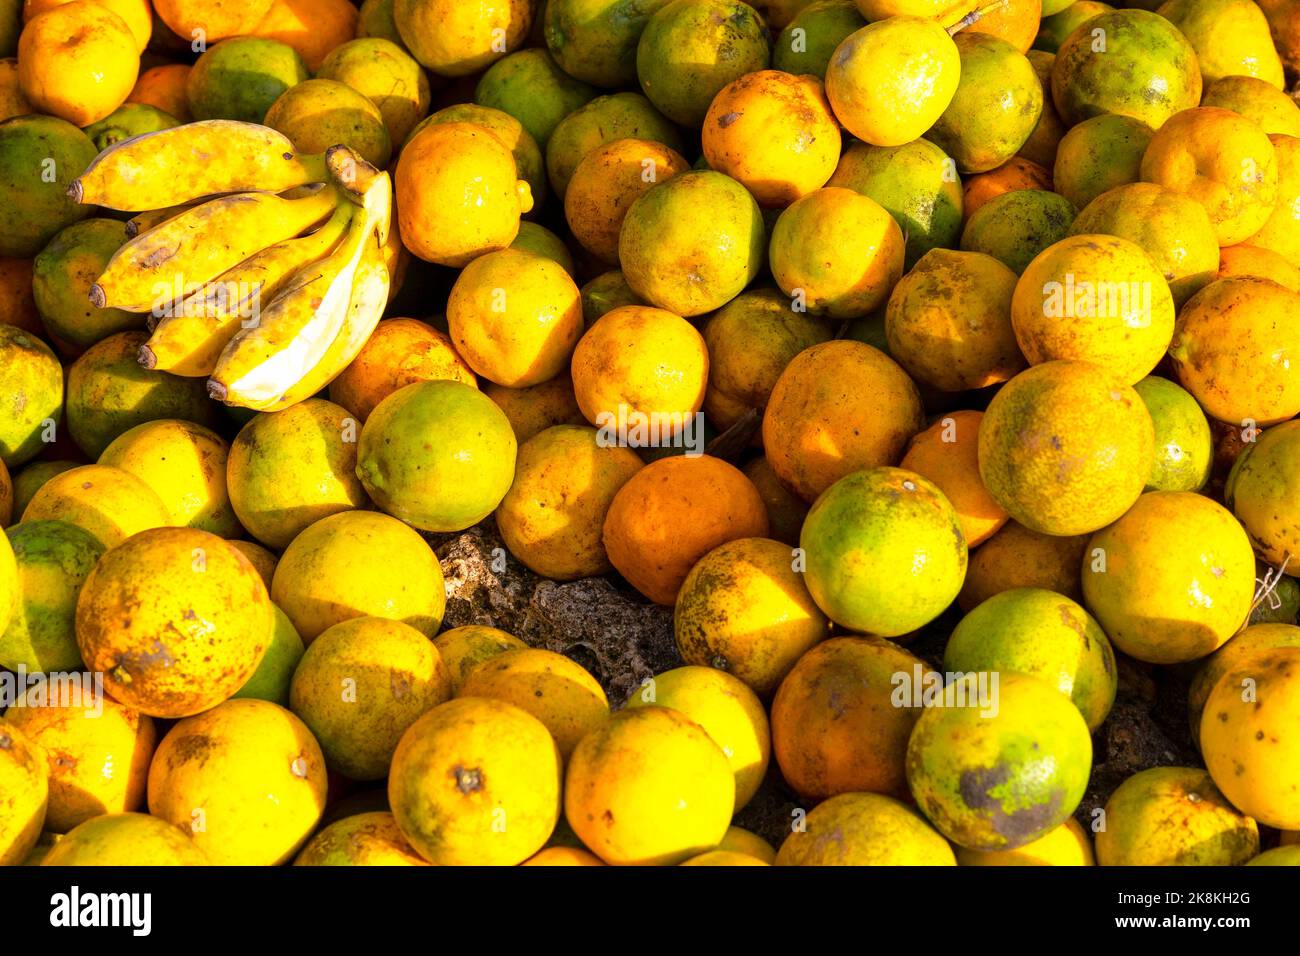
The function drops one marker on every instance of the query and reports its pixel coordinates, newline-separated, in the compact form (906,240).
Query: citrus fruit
(557,691)
(439,455)
(649,787)
(341,567)
(1065,447)
(288,469)
(671,513)
(246,779)
(1001,771)
(1172,580)
(885,551)
(948,321)
(476,782)
(360,684)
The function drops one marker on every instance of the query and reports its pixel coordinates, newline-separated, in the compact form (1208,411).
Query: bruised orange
(672,512)
(837,408)
(774,133)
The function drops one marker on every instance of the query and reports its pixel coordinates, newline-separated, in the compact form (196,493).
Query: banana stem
(975,16)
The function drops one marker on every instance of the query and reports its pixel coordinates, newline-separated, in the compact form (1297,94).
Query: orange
(1247,260)
(744,609)
(1281,231)
(649,787)
(774,133)
(77,61)
(1094,298)
(1066,447)
(455,38)
(318,114)
(671,513)
(164,87)
(1172,580)
(312,27)
(606,183)
(1016,173)
(552,517)
(538,407)
(1171,228)
(515,317)
(1015,21)
(948,321)
(211,20)
(1016,557)
(947,454)
(838,407)
(1233,349)
(751,340)
(836,252)
(1258,100)
(398,352)
(1223,161)
(641,361)
(458,194)
(836,724)
(1099,154)
(136,14)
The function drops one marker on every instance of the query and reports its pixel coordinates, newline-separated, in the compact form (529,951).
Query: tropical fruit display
(649,433)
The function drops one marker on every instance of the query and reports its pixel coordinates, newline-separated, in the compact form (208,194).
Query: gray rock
(603,624)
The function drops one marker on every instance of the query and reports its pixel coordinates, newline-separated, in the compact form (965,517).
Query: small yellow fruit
(358,687)
(108,502)
(515,317)
(247,779)
(551,687)
(649,787)
(24,792)
(176,619)
(185,465)
(1249,737)
(98,751)
(552,517)
(865,829)
(464,648)
(126,839)
(343,567)
(730,713)
(366,839)
(1172,580)
(744,609)
(476,782)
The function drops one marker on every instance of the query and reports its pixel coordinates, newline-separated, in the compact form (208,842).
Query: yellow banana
(355,176)
(178,165)
(296,330)
(190,250)
(365,309)
(191,337)
(143,222)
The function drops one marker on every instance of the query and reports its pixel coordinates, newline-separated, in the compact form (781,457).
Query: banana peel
(295,331)
(194,247)
(185,163)
(190,339)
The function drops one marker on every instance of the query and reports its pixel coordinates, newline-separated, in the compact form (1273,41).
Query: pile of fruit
(935,364)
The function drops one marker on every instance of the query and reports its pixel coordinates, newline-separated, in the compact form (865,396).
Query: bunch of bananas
(260,269)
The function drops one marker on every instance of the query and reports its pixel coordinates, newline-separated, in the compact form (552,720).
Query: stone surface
(619,636)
